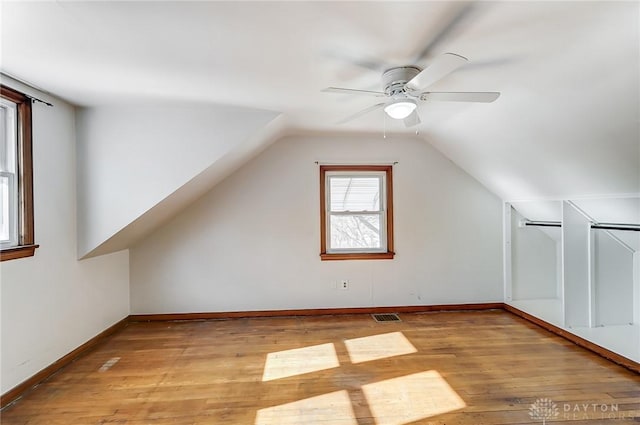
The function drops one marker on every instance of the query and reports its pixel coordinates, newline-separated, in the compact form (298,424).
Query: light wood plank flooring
(466,368)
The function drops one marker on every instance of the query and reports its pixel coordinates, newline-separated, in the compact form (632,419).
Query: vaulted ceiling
(566,125)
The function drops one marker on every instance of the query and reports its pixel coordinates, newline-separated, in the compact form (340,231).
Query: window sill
(18,252)
(358,256)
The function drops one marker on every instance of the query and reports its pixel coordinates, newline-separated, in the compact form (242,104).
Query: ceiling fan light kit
(400,109)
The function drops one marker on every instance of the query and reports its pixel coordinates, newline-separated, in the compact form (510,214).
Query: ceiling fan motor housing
(395,79)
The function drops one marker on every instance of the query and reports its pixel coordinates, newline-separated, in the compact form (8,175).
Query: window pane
(355,231)
(354,193)
(8,125)
(5,219)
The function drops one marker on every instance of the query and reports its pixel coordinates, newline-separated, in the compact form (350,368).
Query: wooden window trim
(26,234)
(389,254)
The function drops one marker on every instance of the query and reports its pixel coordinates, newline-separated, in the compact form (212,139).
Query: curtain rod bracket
(35,99)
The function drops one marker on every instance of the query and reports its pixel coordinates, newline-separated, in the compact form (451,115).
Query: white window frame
(382,213)
(10,137)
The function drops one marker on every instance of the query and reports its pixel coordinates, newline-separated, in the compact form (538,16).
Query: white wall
(132,157)
(613,280)
(534,258)
(252,243)
(52,303)
(576,232)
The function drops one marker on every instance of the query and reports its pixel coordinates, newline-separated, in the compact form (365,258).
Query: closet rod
(542,223)
(602,226)
(616,226)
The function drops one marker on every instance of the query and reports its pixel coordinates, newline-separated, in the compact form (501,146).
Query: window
(16,176)
(356,212)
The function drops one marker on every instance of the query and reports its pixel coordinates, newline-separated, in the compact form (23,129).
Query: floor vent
(388,317)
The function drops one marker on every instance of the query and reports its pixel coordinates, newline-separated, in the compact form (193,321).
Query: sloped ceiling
(138,166)
(566,125)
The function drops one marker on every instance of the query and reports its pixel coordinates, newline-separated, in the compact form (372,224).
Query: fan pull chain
(384,126)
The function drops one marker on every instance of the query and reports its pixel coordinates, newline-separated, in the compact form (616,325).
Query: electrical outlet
(344,284)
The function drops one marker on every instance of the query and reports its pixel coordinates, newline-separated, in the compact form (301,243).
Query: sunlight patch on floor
(378,347)
(327,409)
(410,398)
(282,364)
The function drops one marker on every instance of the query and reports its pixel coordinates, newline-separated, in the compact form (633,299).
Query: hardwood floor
(466,368)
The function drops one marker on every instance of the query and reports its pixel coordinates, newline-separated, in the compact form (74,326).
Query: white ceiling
(566,125)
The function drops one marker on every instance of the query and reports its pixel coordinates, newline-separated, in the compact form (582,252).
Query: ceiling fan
(405,86)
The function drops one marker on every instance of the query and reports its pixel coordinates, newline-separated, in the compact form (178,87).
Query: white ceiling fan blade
(354,91)
(413,119)
(360,61)
(483,97)
(361,113)
(449,24)
(440,67)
